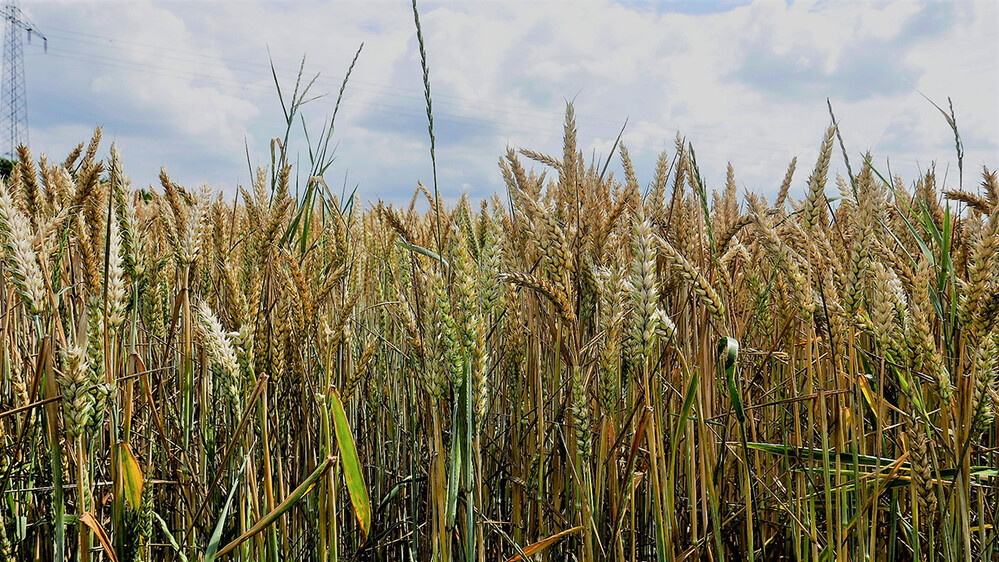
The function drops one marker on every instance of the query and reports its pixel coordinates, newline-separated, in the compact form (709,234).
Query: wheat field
(584,368)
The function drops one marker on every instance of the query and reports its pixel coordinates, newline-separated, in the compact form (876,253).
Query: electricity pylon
(14,101)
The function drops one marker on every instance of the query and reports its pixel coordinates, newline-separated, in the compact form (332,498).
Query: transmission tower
(14,101)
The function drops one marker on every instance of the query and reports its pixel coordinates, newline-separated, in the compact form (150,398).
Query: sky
(188,86)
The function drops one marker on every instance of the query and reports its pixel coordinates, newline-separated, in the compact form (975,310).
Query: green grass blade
(453,479)
(688,403)
(420,250)
(728,351)
(802,453)
(213,543)
(169,536)
(297,494)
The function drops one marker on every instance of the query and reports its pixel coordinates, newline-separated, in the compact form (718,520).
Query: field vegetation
(588,367)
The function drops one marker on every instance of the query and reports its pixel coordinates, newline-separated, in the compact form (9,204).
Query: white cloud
(746,85)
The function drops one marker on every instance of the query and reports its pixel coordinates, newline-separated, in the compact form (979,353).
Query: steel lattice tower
(14,101)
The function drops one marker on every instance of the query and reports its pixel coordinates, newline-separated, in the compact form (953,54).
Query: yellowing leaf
(868,392)
(88,519)
(132,474)
(543,544)
(351,466)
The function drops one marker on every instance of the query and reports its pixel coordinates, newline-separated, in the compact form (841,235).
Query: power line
(15,100)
